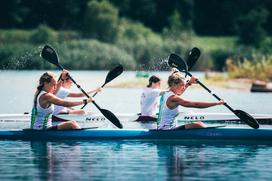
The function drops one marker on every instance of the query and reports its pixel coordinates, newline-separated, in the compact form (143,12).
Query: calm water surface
(134,160)
(130,160)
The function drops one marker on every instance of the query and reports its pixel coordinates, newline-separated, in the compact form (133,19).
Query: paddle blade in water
(176,61)
(194,54)
(112,118)
(247,118)
(49,54)
(114,73)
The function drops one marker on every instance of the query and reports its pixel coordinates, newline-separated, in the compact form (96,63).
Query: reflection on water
(129,160)
(135,160)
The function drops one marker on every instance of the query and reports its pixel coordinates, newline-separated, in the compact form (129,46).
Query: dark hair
(153,79)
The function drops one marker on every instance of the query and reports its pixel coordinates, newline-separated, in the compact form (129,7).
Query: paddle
(177,62)
(49,54)
(112,74)
(194,54)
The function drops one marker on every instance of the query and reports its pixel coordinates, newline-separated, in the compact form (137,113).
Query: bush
(219,58)
(42,35)
(136,31)
(21,56)
(14,36)
(258,69)
(92,55)
(68,36)
(148,48)
(266,46)
(151,55)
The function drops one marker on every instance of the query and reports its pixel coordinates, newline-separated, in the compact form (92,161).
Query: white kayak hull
(130,117)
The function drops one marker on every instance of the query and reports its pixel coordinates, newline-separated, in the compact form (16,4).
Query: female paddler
(44,101)
(64,92)
(171,100)
(150,99)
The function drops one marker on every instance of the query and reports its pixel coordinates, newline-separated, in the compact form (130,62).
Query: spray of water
(158,65)
(22,61)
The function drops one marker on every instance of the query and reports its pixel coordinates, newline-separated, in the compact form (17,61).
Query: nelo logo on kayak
(194,117)
(95,119)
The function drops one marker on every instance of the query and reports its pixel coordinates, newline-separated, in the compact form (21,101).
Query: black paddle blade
(194,54)
(114,73)
(112,118)
(176,61)
(49,54)
(247,118)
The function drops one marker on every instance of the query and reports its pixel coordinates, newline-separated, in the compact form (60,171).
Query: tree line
(209,17)
(137,33)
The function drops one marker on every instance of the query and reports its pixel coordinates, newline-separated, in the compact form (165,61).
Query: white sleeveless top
(62,93)
(40,117)
(149,101)
(167,116)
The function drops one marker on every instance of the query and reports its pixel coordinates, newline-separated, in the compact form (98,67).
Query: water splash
(22,61)
(157,65)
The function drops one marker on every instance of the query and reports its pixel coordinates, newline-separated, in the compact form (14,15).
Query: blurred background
(234,35)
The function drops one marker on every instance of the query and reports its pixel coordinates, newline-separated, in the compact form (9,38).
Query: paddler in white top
(44,101)
(64,91)
(171,100)
(150,99)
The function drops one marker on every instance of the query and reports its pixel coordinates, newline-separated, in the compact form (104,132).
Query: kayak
(182,118)
(211,133)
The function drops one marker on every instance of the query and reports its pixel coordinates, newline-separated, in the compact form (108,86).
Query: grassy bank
(257,69)
(209,43)
(212,80)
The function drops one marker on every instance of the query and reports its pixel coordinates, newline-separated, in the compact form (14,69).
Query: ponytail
(153,79)
(46,77)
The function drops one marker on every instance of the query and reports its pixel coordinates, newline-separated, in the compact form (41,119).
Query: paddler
(150,99)
(44,101)
(171,100)
(64,92)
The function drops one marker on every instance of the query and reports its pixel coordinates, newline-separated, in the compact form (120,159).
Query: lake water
(130,160)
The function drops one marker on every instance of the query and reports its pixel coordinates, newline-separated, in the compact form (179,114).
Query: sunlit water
(130,160)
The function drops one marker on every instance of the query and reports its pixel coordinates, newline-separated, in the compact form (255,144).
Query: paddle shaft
(101,87)
(92,96)
(111,75)
(83,91)
(78,86)
(214,95)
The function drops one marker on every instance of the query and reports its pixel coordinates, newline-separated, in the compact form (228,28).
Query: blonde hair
(45,78)
(175,78)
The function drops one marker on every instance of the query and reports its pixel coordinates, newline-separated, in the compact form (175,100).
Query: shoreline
(239,84)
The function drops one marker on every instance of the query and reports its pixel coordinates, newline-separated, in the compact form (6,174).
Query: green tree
(178,30)
(250,27)
(176,26)
(100,21)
